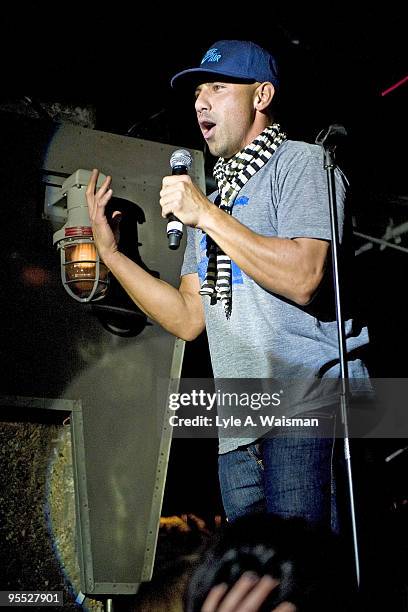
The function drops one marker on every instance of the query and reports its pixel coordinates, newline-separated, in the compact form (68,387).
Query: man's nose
(202,102)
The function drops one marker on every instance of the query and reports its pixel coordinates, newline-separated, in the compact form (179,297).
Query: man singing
(255,275)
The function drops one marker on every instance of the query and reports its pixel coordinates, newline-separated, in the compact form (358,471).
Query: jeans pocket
(255,451)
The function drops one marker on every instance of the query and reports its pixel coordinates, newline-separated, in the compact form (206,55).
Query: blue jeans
(290,473)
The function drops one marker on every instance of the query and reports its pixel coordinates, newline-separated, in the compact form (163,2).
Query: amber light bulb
(80,268)
(83,275)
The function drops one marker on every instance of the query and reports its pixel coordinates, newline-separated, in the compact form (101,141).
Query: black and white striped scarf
(231,175)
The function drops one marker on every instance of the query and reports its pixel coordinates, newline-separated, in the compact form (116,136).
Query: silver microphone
(180,163)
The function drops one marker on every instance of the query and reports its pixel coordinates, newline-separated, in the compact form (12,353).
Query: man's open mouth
(207,128)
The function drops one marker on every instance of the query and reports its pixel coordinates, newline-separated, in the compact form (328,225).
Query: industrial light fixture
(84,276)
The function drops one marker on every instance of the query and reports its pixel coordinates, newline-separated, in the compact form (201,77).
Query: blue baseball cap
(237,59)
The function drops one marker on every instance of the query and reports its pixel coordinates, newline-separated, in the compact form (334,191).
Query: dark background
(334,66)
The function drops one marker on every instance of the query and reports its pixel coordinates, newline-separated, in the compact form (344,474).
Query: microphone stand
(328,139)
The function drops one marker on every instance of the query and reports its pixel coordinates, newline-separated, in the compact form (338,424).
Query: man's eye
(216,87)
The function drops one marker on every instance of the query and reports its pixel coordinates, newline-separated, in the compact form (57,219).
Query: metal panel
(54,347)
(137,168)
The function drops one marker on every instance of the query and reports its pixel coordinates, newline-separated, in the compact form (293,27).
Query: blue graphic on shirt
(211,56)
(236,273)
(242,201)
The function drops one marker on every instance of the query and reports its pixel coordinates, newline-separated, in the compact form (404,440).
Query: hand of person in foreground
(247,595)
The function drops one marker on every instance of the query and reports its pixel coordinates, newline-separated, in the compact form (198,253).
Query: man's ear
(263,96)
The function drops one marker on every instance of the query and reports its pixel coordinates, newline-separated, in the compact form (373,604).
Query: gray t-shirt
(268,336)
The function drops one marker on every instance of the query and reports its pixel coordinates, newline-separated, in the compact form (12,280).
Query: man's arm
(292,268)
(179,311)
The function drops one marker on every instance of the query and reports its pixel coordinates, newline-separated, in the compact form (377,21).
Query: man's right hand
(105,233)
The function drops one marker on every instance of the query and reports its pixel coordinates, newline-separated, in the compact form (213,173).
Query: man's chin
(215,149)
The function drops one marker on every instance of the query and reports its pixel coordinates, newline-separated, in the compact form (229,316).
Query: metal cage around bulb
(84,276)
